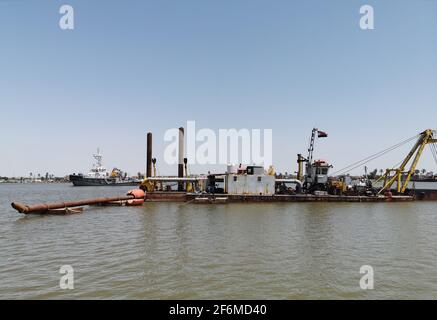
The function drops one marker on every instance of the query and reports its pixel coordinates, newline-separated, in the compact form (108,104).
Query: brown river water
(226,251)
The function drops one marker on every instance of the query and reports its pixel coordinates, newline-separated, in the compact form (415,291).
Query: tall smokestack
(149,155)
(181,158)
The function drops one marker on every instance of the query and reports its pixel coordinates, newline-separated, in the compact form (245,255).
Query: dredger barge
(252,183)
(242,183)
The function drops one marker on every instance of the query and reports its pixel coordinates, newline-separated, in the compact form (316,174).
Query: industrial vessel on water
(252,183)
(99,176)
(312,183)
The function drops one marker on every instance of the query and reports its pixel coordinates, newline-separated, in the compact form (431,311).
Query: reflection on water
(181,251)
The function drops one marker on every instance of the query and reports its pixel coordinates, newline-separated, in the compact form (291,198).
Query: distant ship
(99,176)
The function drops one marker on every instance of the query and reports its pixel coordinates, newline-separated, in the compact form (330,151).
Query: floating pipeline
(133,197)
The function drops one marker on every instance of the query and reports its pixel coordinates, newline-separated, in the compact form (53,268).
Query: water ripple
(235,251)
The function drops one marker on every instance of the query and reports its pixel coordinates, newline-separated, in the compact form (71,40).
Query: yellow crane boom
(425,137)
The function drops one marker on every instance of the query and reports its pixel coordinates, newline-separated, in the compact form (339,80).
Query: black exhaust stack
(149,155)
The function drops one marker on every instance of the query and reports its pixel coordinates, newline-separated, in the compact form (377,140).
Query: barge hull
(426,194)
(168,196)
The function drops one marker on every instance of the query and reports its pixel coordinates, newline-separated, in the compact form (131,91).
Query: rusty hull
(173,196)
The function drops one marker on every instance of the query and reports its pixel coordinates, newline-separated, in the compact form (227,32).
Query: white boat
(99,176)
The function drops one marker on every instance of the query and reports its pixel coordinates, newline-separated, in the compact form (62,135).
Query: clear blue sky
(135,66)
